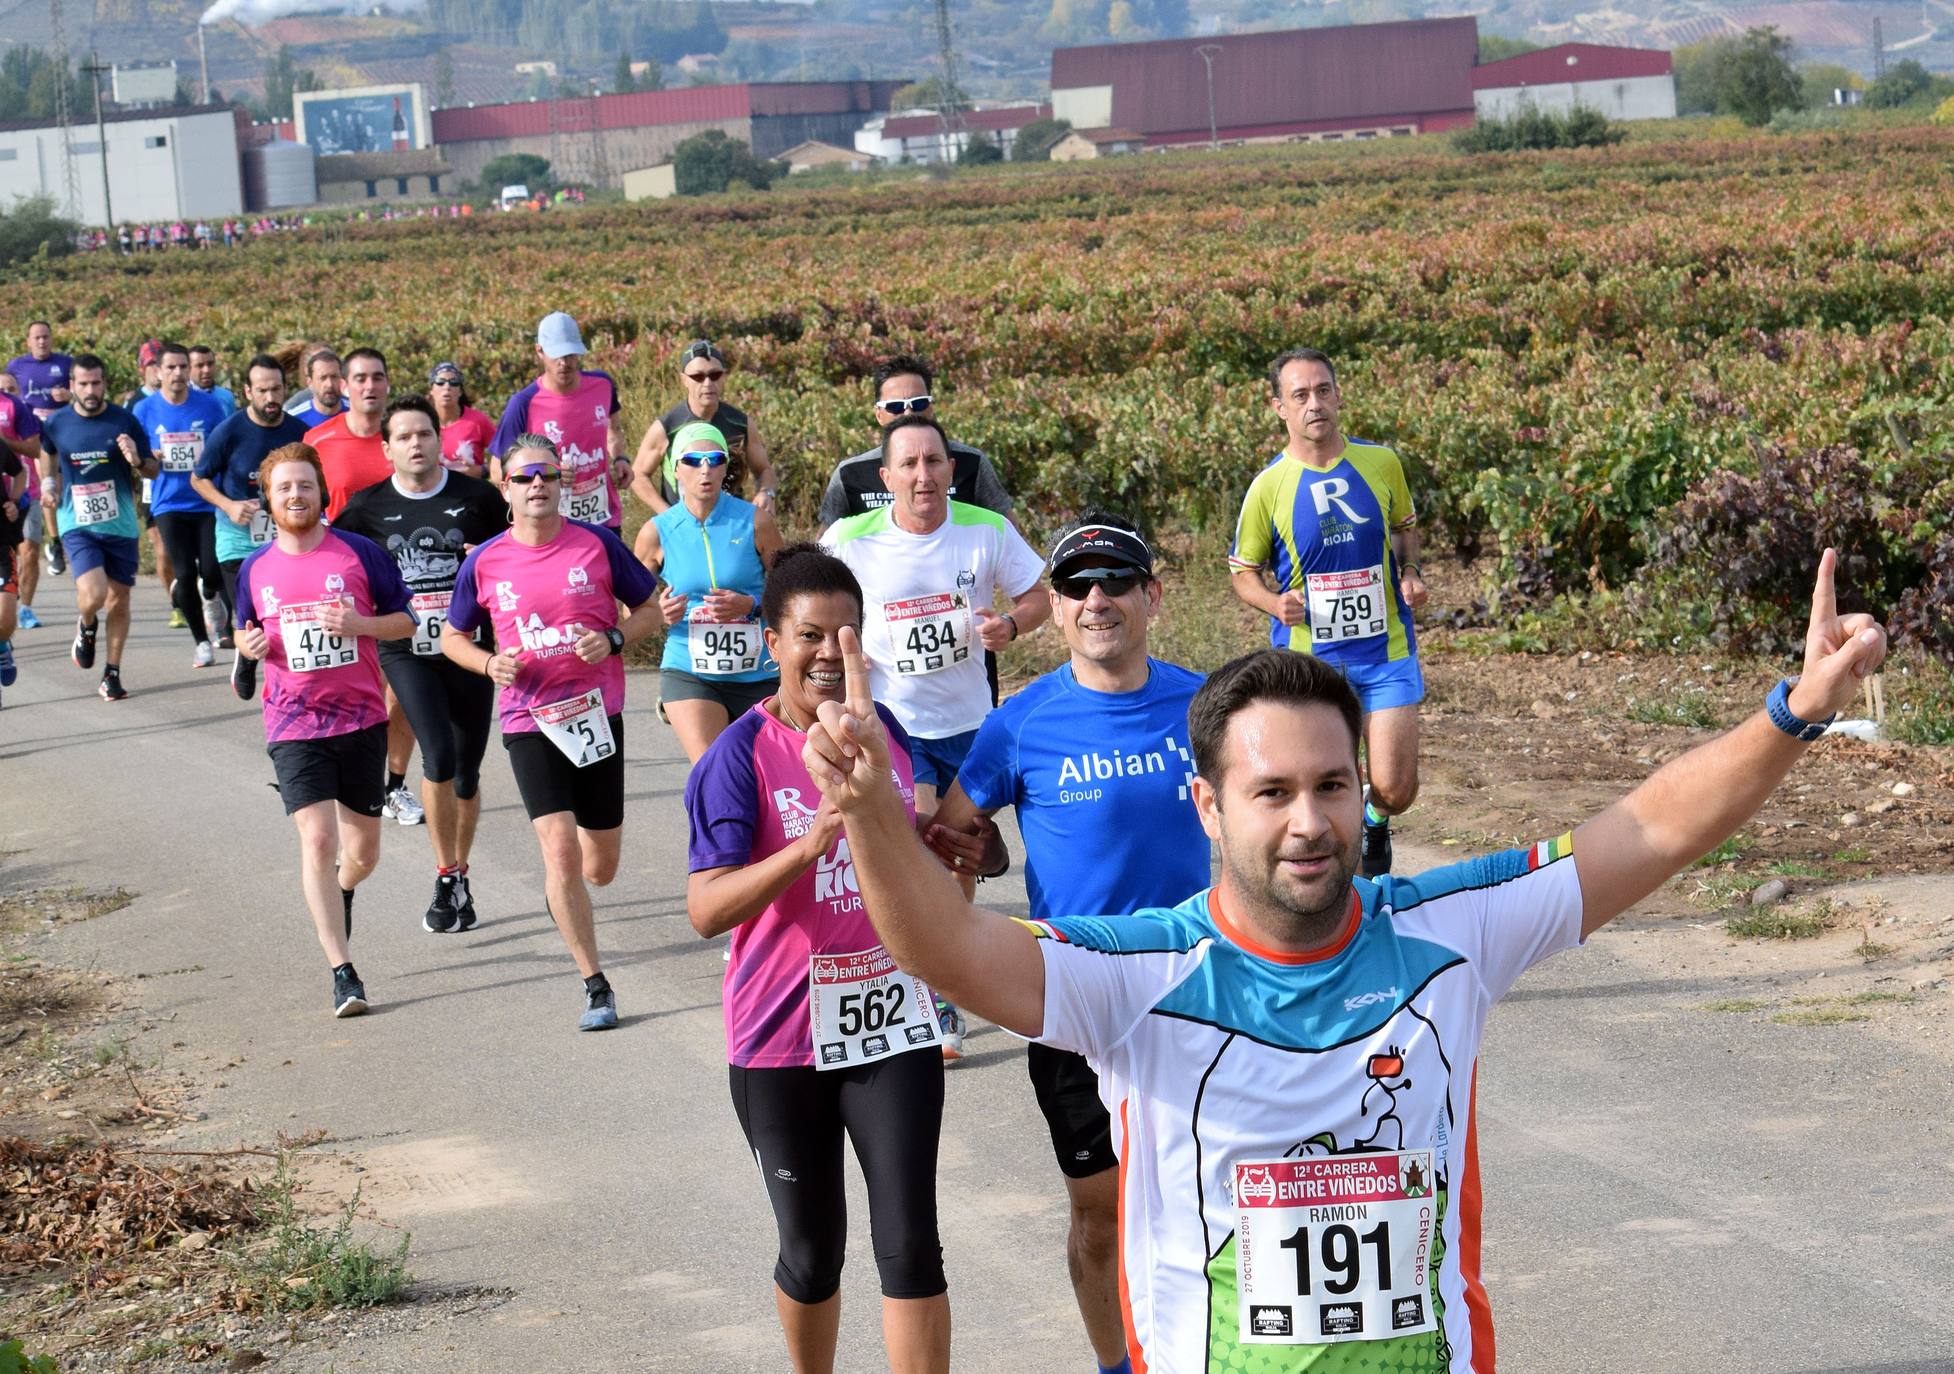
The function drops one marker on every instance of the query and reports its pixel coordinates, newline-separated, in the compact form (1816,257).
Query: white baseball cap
(557,336)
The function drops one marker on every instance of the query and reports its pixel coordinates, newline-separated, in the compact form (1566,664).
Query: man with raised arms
(1297,1039)
(312,606)
(427,518)
(551,587)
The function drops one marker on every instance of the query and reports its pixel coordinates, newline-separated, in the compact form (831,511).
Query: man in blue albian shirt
(1095,758)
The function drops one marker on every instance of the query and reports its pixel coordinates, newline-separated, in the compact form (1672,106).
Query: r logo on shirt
(1330,492)
(505,596)
(796,816)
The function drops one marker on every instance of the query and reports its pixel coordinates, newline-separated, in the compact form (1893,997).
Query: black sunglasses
(523,479)
(915,405)
(712,376)
(1115,582)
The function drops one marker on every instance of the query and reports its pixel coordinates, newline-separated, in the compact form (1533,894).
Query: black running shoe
(464,903)
(1377,850)
(83,651)
(112,688)
(57,557)
(244,677)
(441,912)
(348,992)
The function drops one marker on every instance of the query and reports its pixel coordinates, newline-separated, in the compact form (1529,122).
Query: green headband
(698,429)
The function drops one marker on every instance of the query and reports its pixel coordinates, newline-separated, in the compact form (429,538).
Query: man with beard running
(93,459)
(178,421)
(428,518)
(227,477)
(313,605)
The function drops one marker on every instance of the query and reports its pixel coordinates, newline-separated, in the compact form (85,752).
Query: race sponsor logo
(1408,1312)
(1272,1319)
(1369,999)
(833,1052)
(1078,773)
(547,640)
(268,600)
(505,596)
(796,816)
(1256,1185)
(1341,1318)
(335,584)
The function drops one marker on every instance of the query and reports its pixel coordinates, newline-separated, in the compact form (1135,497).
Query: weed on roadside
(304,1267)
(1795,868)
(1720,890)
(1776,924)
(1837,1011)
(1868,950)
(59,905)
(1729,851)
(1690,707)
(1735,1004)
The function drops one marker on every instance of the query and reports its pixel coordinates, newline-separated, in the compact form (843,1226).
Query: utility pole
(1209,51)
(94,68)
(1879,49)
(950,106)
(63,112)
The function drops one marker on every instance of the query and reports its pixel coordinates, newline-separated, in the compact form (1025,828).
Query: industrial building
(931,137)
(164,164)
(1622,83)
(596,139)
(1357,81)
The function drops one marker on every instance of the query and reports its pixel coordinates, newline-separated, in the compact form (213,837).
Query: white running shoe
(205,655)
(401,806)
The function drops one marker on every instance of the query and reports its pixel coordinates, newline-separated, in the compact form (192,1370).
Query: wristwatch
(616,637)
(1778,707)
(1014,623)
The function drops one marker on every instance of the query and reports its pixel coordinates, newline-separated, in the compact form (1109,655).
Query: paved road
(1665,1189)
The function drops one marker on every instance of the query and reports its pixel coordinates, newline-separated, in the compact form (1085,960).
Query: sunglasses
(1115,582)
(915,405)
(523,479)
(704,458)
(711,376)
(445,381)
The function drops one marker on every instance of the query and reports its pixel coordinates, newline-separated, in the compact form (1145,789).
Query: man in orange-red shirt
(349,444)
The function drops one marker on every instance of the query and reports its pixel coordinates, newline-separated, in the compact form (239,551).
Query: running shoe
(83,652)
(464,903)
(57,558)
(1377,850)
(178,621)
(8,671)
(954,1026)
(442,914)
(204,656)
(348,992)
(28,620)
(244,677)
(112,688)
(600,1010)
(213,615)
(401,806)
(225,639)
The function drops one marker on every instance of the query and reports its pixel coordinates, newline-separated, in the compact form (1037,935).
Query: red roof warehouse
(1362,80)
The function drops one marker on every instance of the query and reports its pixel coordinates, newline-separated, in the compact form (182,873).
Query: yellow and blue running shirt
(1298,1176)
(1326,532)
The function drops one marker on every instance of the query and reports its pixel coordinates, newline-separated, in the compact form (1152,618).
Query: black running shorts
(1068,1095)
(349,769)
(550,783)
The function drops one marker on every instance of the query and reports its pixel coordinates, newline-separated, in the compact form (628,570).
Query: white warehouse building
(1622,83)
(167,164)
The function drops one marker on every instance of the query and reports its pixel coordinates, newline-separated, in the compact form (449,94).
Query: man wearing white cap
(578,410)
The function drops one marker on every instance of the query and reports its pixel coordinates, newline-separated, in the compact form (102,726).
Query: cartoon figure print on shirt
(1381,1117)
(428,556)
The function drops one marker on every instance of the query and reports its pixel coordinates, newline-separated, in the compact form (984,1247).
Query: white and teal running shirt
(1302,1126)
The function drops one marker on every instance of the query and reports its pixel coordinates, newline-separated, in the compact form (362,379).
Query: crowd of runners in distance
(235,231)
(1258,1080)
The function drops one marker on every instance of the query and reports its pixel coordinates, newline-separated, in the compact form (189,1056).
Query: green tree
(979,150)
(1494,47)
(624,80)
(928,94)
(444,78)
(1034,141)
(1820,79)
(1754,79)
(654,76)
(711,162)
(283,78)
(1903,83)
(31,229)
(516,169)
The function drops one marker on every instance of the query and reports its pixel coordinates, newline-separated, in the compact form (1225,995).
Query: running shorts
(891,1110)
(1068,1095)
(451,711)
(549,783)
(936,761)
(116,555)
(735,698)
(350,769)
(1380,686)
(33,522)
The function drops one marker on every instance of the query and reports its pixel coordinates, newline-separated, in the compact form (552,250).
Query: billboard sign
(365,119)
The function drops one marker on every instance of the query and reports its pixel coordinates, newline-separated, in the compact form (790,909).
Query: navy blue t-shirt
(237,448)
(1102,784)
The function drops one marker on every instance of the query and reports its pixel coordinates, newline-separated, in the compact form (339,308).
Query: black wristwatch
(616,637)
(1014,623)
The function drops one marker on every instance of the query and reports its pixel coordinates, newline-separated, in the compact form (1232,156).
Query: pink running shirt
(580,426)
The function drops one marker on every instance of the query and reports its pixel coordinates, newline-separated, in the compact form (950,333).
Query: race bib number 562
(861,1007)
(1335,1249)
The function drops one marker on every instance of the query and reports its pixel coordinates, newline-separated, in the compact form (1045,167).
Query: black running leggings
(190,538)
(892,1111)
(450,710)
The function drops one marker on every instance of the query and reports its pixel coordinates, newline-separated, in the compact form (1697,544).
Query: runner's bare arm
(717,899)
(1405,544)
(766,536)
(645,467)
(1694,803)
(1252,588)
(961,829)
(765,481)
(977,959)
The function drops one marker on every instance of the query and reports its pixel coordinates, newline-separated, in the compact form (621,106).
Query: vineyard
(1563,346)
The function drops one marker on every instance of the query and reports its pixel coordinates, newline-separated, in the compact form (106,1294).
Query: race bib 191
(180,452)
(430,612)
(861,1007)
(1347,605)
(928,633)
(95,503)
(578,727)
(309,646)
(717,648)
(1336,1248)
